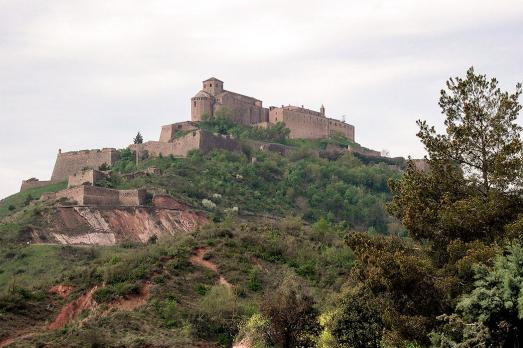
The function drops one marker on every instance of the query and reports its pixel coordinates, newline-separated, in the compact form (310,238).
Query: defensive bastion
(70,163)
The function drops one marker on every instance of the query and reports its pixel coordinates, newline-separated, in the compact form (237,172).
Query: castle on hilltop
(302,123)
(178,139)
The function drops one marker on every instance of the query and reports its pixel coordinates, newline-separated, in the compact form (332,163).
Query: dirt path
(197,258)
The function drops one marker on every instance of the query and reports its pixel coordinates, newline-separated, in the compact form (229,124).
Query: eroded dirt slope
(111,225)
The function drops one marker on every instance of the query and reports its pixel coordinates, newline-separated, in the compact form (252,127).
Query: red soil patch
(132,301)
(71,310)
(197,259)
(61,290)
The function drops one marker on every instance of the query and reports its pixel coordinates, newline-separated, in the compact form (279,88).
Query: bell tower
(213,86)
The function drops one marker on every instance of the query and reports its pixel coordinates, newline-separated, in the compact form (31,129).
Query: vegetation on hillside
(342,190)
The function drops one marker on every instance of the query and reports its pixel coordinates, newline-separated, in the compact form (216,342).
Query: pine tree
(138,139)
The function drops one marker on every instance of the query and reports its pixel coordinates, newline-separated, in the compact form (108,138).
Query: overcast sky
(90,74)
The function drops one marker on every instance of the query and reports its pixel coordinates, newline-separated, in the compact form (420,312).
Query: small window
(194,104)
(210,85)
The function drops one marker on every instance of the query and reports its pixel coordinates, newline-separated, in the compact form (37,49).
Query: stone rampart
(32,183)
(180,147)
(168,132)
(308,124)
(100,196)
(69,163)
(209,142)
(83,177)
(364,152)
(131,197)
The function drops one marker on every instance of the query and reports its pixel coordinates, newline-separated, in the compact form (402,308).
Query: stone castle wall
(69,163)
(307,124)
(364,152)
(32,183)
(169,131)
(131,197)
(100,196)
(209,142)
(89,176)
(180,147)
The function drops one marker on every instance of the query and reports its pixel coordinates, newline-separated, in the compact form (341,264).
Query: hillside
(273,221)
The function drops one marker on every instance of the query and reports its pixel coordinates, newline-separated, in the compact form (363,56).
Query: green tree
(482,136)
(357,321)
(494,307)
(293,317)
(475,167)
(138,139)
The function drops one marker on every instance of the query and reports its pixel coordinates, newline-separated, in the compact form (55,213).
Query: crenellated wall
(69,163)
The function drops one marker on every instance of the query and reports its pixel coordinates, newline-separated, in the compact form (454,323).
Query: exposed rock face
(108,226)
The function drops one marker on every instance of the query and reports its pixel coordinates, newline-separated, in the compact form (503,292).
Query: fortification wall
(75,194)
(209,142)
(345,129)
(100,196)
(180,147)
(169,131)
(32,183)
(301,124)
(308,124)
(364,152)
(89,176)
(69,163)
(131,197)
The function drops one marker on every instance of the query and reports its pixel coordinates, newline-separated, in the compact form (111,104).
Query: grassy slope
(185,304)
(18,199)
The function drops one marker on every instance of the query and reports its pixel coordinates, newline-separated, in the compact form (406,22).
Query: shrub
(254,282)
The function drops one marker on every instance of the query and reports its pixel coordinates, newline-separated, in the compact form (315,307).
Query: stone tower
(213,86)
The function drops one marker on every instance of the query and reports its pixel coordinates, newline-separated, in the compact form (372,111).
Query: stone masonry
(32,183)
(100,196)
(180,147)
(69,163)
(87,176)
(302,122)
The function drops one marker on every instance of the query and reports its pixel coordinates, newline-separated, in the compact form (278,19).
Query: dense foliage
(340,190)
(445,286)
